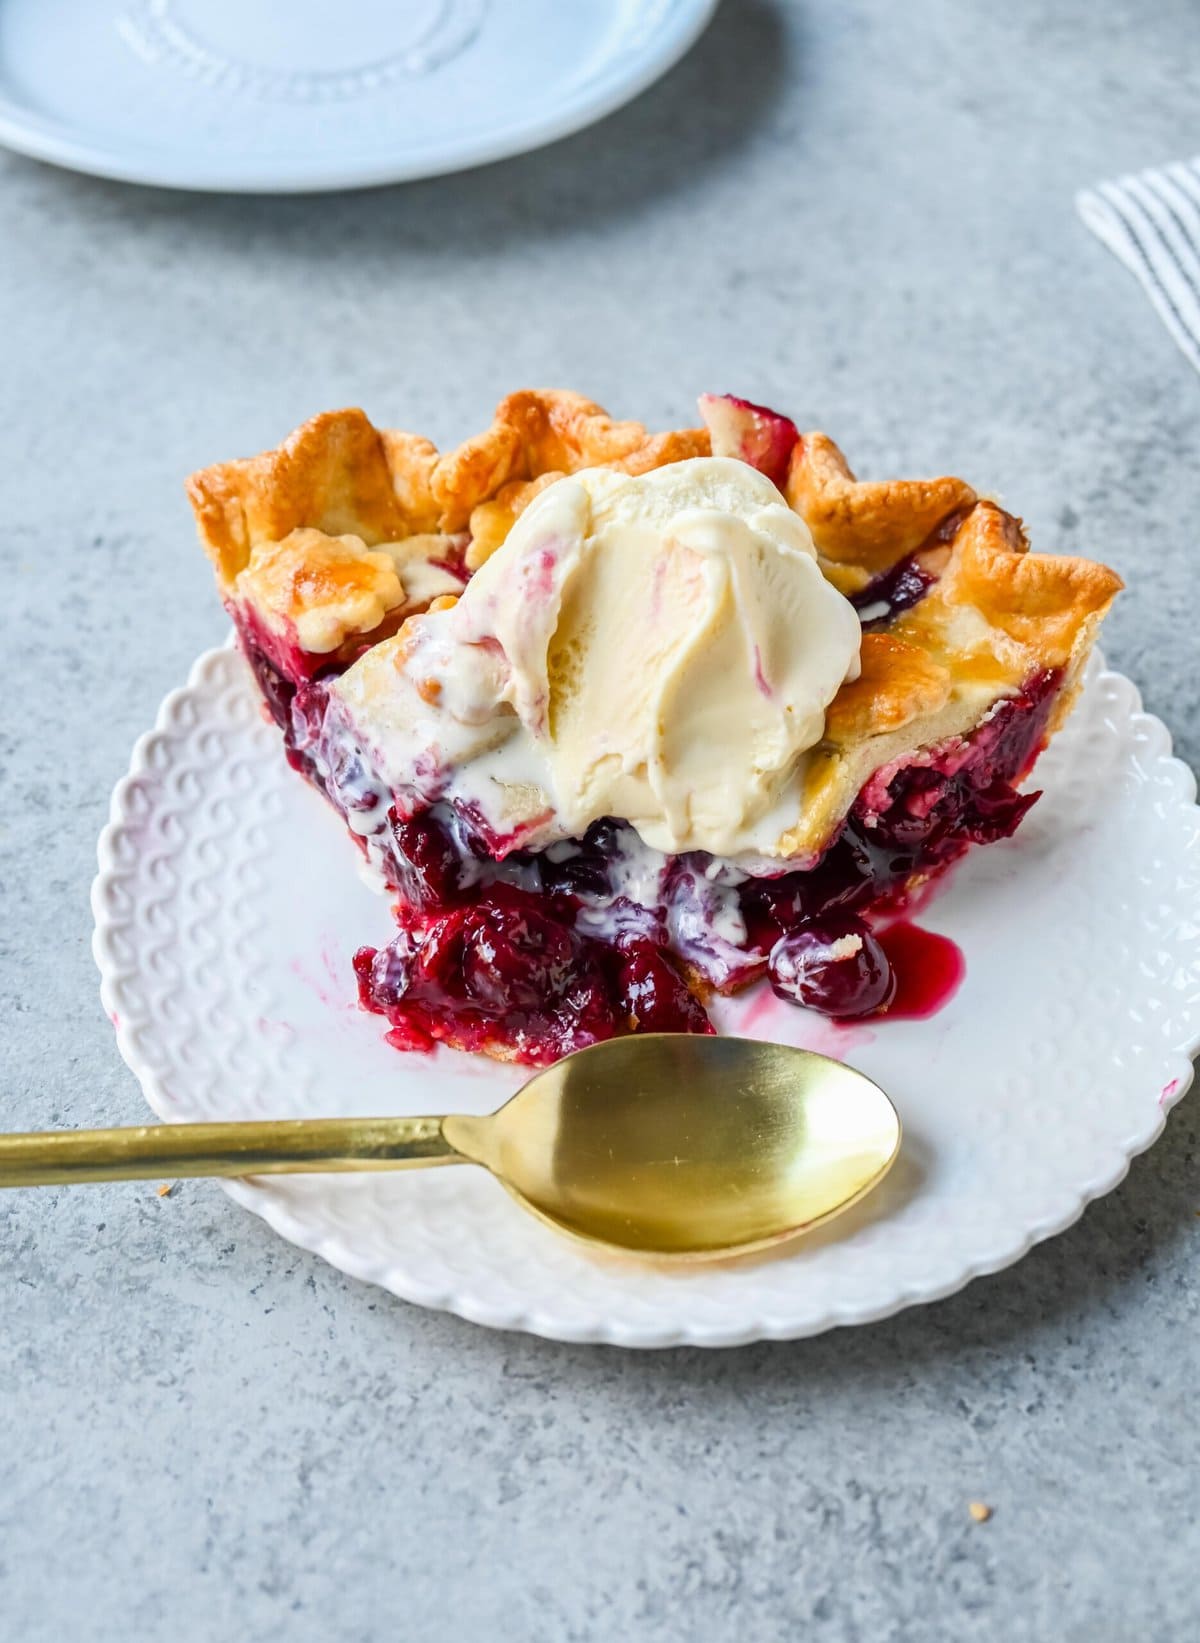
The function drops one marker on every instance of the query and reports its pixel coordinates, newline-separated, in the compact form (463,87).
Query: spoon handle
(282,1147)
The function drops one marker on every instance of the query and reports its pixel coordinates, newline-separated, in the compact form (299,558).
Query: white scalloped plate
(228,906)
(255,95)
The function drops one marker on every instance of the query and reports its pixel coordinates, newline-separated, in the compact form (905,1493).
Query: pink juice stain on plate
(760,1013)
(335,989)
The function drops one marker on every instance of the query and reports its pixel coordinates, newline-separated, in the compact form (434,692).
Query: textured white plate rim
(1176,1077)
(53,141)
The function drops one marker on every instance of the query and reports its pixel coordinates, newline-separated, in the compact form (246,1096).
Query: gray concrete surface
(862,211)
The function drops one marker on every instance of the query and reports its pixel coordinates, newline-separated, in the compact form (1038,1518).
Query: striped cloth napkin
(1152,222)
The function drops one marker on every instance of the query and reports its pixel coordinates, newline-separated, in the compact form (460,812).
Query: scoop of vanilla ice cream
(659,648)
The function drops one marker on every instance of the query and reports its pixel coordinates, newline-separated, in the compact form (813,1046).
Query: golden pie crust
(342,531)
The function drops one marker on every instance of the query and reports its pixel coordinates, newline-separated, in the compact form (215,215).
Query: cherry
(584,1015)
(308,712)
(585,870)
(583,873)
(437,957)
(385,974)
(513,956)
(834,965)
(364,967)
(755,433)
(654,996)
(278,690)
(905,585)
(843,878)
(425,862)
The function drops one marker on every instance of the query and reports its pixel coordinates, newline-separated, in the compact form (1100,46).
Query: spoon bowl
(660,1144)
(687,1147)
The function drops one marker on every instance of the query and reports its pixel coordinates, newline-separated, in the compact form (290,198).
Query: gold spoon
(661,1144)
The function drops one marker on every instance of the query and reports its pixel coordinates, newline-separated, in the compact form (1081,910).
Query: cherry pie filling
(534,954)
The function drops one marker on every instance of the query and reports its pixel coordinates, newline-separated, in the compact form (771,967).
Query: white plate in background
(256,96)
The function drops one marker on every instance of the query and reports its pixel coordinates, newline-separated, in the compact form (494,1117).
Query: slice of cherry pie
(621,720)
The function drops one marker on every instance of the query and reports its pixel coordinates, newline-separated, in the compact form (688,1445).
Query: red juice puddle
(929,970)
